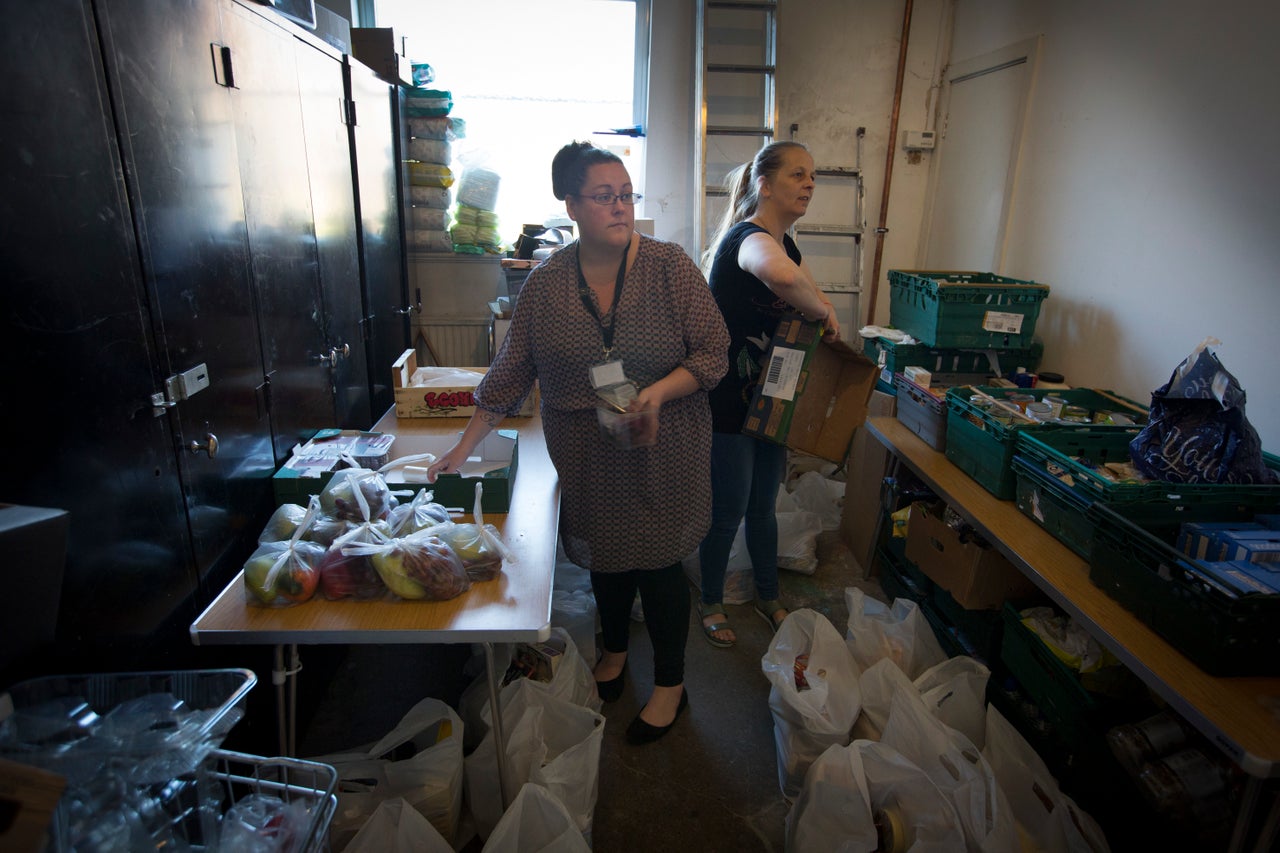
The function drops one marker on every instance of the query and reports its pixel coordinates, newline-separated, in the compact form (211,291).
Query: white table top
(515,607)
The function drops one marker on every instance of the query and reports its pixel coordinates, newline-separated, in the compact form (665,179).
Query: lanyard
(606,332)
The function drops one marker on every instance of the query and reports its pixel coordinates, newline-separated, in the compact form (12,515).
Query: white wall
(1148,195)
(669,190)
(837,60)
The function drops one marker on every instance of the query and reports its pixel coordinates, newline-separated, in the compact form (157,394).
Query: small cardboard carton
(813,393)
(440,392)
(978,578)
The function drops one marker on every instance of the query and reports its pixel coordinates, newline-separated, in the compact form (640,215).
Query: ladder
(737,49)
(830,235)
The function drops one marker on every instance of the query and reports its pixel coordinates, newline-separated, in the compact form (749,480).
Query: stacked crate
(967,326)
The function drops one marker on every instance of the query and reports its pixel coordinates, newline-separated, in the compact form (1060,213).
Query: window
(527,76)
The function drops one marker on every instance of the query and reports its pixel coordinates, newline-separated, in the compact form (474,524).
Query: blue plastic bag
(1197,431)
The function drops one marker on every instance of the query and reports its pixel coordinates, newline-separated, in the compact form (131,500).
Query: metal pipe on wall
(890,152)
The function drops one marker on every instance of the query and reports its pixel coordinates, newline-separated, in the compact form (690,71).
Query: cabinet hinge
(348,108)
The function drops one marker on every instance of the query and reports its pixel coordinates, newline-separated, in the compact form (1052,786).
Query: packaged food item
(1137,744)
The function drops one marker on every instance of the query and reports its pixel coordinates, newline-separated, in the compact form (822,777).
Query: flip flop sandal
(708,631)
(766,609)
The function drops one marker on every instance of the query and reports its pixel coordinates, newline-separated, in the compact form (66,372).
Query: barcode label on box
(1002,321)
(783,373)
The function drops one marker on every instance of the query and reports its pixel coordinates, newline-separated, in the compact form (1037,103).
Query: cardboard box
(978,578)
(1255,546)
(814,393)
(868,464)
(535,661)
(493,464)
(454,400)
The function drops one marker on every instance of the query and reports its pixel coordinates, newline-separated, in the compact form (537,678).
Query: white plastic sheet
(536,822)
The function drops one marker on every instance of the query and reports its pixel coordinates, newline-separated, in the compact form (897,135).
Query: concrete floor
(711,784)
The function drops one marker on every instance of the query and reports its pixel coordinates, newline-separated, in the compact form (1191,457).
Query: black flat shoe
(611,690)
(640,732)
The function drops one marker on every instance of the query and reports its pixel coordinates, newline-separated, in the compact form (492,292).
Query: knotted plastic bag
(1197,431)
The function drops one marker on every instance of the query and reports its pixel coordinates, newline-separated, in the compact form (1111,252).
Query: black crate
(1222,631)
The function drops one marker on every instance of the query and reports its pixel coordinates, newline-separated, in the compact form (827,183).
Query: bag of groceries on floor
(814,695)
(1197,431)
(550,742)
(536,821)
(397,827)
(899,633)
(954,691)
(870,797)
(419,760)
(956,766)
(1052,819)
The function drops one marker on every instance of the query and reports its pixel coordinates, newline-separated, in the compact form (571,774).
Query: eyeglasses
(610,198)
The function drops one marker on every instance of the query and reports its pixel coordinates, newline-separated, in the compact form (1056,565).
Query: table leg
(495,717)
(286,701)
(278,677)
(1244,816)
(295,666)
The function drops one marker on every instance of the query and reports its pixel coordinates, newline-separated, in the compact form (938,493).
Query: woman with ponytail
(756,276)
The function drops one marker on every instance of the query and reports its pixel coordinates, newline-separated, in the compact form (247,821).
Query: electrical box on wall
(918,140)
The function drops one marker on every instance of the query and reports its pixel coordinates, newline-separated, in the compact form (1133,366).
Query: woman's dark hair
(743,190)
(569,168)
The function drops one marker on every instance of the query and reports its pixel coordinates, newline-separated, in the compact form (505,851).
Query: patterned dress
(620,509)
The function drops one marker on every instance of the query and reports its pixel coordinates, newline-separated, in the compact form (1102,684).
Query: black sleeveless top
(751,311)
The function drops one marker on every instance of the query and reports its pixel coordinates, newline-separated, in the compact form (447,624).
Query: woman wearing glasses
(756,275)
(617,307)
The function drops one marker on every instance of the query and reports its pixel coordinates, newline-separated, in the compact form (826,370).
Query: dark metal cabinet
(270,142)
(186,260)
(177,132)
(81,361)
(376,151)
(325,113)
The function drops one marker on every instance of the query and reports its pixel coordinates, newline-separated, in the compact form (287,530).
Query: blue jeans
(745,475)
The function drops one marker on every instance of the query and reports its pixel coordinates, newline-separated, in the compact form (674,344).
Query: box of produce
(440,392)
(493,464)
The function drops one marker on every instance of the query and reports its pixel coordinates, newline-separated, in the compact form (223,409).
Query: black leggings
(664,594)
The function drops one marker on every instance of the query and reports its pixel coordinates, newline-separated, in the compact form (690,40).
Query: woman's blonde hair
(743,187)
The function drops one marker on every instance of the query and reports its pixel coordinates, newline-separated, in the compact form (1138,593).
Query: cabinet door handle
(209,445)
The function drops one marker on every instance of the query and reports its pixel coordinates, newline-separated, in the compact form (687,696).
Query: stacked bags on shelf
(431,134)
(475,225)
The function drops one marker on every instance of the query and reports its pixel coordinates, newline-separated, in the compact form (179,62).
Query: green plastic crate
(982,446)
(1224,633)
(948,366)
(956,309)
(894,552)
(1047,501)
(1055,488)
(896,583)
(979,631)
(1075,713)
(943,630)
